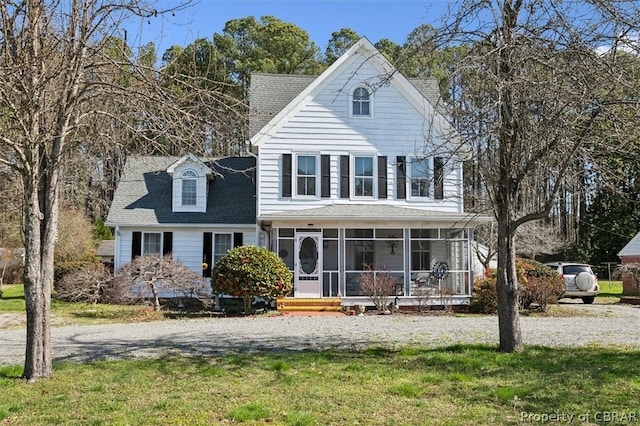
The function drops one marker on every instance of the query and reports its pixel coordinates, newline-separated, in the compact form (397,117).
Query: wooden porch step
(312,305)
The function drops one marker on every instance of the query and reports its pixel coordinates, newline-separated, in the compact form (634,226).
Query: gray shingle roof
(270,93)
(143,196)
(363,212)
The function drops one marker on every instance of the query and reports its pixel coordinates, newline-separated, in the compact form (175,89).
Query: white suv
(580,280)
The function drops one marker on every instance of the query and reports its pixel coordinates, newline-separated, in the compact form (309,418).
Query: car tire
(587,300)
(584,281)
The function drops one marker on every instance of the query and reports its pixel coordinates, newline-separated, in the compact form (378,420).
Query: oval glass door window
(308,255)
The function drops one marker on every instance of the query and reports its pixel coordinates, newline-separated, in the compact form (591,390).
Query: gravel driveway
(599,325)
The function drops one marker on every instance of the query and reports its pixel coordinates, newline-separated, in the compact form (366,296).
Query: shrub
(91,283)
(538,284)
(155,274)
(377,287)
(541,285)
(484,299)
(63,268)
(250,271)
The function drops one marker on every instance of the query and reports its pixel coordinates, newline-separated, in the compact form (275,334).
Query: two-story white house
(356,167)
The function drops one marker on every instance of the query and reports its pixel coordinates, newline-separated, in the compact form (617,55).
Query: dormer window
(361,103)
(190,177)
(189,188)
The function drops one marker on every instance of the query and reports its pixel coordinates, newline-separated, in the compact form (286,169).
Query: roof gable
(189,159)
(262,130)
(632,248)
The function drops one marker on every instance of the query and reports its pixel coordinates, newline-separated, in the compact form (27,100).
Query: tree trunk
(41,223)
(507,287)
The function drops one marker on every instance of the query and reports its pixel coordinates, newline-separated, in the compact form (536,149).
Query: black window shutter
(401,177)
(438,178)
(136,245)
(207,247)
(325,176)
(237,239)
(344,176)
(286,175)
(167,243)
(382,176)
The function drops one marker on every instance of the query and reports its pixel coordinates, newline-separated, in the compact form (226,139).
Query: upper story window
(363,176)
(189,188)
(420,177)
(306,175)
(361,103)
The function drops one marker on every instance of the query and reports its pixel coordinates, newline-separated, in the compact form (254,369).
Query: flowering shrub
(537,284)
(249,271)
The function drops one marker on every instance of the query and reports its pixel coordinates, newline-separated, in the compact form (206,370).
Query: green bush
(538,285)
(485,297)
(250,271)
(541,285)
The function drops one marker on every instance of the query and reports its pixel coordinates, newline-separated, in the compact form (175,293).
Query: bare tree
(540,100)
(61,68)
(152,275)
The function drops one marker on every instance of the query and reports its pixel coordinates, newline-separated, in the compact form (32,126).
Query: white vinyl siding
(323,125)
(187,242)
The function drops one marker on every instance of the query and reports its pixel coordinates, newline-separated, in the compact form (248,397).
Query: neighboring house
(630,254)
(355,167)
(105,252)
(193,208)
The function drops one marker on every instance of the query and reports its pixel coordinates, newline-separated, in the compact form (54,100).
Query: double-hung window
(222,243)
(189,188)
(361,103)
(420,177)
(363,176)
(306,175)
(151,243)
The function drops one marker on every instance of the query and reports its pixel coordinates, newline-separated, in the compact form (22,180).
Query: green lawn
(460,385)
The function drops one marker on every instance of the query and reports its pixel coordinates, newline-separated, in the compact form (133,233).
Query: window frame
(215,254)
(360,102)
(427,179)
(145,244)
(373,177)
(189,176)
(296,176)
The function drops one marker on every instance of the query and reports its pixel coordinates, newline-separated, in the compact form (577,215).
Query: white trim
(371,102)
(409,161)
(294,176)
(374,176)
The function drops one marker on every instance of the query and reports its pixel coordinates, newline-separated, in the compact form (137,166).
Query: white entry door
(308,265)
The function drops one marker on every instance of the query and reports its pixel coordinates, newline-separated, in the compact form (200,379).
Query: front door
(308,267)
